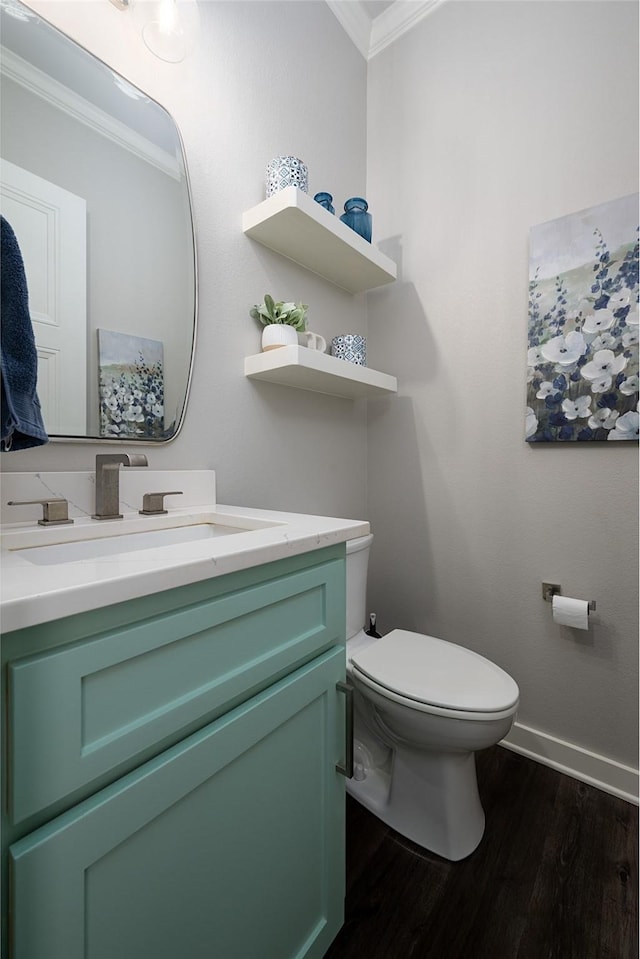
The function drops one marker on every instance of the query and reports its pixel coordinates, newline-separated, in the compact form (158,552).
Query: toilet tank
(357,566)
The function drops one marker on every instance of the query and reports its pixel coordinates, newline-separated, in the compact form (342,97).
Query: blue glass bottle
(355,216)
(325,200)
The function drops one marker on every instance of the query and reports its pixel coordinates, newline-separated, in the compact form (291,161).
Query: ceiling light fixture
(167,27)
(164,34)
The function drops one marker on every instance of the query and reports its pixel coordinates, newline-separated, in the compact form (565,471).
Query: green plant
(290,314)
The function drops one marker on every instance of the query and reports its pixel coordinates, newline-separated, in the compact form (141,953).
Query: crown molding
(372,36)
(56,94)
(397,20)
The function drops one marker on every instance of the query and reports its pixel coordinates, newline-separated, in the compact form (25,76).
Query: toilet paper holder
(549,590)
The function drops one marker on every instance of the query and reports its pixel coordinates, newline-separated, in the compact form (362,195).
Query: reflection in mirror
(94,183)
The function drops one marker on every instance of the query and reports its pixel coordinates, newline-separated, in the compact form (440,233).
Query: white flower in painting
(134,414)
(630,338)
(580,408)
(598,321)
(546,389)
(630,386)
(601,383)
(565,350)
(151,399)
(158,409)
(534,356)
(619,300)
(606,341)
(530,423)
(603,419)
(604,364)
(626,428)
(112,403)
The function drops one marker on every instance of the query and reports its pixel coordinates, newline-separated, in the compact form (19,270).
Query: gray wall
(486,119)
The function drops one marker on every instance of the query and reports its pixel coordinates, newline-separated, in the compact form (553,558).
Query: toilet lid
(437,673)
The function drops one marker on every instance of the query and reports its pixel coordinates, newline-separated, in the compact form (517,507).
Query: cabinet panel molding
(229,843)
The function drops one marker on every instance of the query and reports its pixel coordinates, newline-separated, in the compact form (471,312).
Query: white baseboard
(572,760)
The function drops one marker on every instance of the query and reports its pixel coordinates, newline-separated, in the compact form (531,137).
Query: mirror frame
(142,441)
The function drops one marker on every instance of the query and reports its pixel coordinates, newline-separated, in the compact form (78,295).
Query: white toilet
(423,707)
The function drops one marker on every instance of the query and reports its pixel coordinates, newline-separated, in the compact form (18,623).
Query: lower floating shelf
(308,369)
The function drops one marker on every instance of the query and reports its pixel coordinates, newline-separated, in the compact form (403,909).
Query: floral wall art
(582,382)
(131,385)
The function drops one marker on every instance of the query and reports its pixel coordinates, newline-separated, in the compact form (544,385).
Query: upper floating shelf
(293,224)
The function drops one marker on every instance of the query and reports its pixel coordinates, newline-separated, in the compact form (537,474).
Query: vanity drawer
(87,712)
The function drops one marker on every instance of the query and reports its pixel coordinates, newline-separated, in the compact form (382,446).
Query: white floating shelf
(308,369)
(293,224)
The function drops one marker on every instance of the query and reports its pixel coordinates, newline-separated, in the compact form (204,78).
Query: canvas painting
(582,382)
(131,385)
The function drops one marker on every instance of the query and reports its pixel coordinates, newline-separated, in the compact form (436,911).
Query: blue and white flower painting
(131,385)
(582,382)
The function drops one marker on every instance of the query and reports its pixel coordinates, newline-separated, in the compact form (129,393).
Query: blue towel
(22,424)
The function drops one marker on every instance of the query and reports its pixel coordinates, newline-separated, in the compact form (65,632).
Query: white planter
(278,334)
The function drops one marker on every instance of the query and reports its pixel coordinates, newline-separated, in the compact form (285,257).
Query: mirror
(94,184)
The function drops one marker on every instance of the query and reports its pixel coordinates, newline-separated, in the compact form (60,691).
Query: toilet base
(431,799)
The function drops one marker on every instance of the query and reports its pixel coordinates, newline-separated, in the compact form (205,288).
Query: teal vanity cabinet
(170,774)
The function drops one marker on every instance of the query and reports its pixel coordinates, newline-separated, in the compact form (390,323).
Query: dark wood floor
(555,877)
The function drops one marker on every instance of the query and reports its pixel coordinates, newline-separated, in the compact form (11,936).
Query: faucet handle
(153,503)
(55,511)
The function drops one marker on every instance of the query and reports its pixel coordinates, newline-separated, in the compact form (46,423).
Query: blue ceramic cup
(351,347)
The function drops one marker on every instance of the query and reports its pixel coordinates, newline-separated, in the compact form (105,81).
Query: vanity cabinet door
(229,845)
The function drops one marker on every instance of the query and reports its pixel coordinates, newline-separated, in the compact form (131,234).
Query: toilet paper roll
(571,612)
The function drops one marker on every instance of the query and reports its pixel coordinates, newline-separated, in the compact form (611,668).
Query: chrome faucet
(108,482)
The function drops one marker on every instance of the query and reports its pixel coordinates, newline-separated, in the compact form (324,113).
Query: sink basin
(127,543)
(94,540)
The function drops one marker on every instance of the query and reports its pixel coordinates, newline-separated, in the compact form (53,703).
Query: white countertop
(31,594)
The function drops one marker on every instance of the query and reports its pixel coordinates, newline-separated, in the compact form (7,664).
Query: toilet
(423,707)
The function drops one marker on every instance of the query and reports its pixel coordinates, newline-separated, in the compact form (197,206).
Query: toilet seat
(435,676)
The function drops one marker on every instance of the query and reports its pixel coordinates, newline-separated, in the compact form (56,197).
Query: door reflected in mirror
(95,185)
